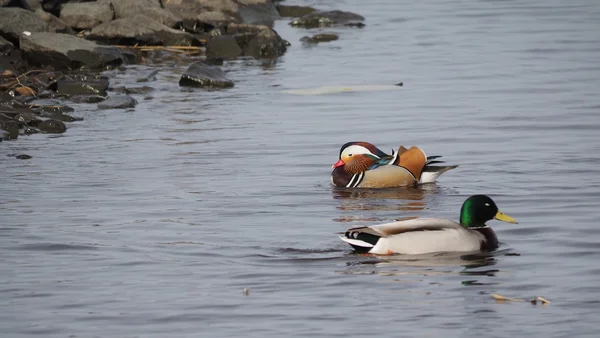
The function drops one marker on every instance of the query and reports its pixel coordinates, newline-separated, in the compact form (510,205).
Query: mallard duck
(427,235)
(362,165)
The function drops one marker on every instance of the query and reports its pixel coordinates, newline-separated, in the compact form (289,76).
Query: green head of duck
(478,209)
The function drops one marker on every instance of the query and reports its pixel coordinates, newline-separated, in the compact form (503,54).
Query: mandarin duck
(362,165)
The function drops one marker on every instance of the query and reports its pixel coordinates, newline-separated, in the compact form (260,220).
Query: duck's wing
(412,159)
(364,239)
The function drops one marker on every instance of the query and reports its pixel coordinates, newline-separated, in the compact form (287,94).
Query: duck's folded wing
(413,159)
(417,224)
(364,239)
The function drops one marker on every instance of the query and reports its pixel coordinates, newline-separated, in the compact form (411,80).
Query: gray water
(152,222)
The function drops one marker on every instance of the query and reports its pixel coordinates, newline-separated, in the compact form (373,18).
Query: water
(152,222)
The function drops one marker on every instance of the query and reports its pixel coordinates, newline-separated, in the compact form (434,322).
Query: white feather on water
(342,89)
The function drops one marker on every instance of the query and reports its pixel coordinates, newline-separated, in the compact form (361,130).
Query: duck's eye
(487,204)
(349,155)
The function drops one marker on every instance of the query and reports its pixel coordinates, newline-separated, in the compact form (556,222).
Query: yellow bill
(505,218)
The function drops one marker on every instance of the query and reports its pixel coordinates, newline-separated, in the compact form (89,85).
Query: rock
(5,46)
(52,127)
(267,44)
(60,116)
(223,47)
(67,51)
(244,11)
(214,19)
(257,12)
(86,15)
(11,127)
(4,135)
(17,20)
(25,4)
(27,119)
(23,157)
(141,30)
(83,86)
(202,75)
(54,24)
(138,90)
(149,8)
(118,102)
(323,37)
(87,98)
(328,18)
(294,11)
(54,6)
(258,41)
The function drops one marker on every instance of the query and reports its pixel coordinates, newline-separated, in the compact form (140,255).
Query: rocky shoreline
(53,52)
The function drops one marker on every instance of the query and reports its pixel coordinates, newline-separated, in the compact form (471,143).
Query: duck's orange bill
(339,163)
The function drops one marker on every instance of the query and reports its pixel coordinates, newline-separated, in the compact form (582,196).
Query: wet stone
(328,18)
(223,47)
(118,102)
(11,127)
(323,37)
(294,11)
(81,87)
(52,126)
(23,157)
(28,119)
(202,75)
(61,117)
(4,135)
(138,90)
(87,98)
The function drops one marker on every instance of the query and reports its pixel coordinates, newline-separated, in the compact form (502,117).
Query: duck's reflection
(474,265)
(392,199)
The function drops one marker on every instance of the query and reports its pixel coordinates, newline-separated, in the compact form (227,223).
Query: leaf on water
(502,298)
(534,301)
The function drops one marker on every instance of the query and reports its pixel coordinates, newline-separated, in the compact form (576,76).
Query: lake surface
(152,222)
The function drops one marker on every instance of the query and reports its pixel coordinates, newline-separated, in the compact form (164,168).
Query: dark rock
(294,11)
(258,41)
(87,98)
(67,51)
(213,61)
(83,86)
(5,46)
(118,102)
(215,19)
(202,75)
(323,37)
(11,126)
(266,44)
(33,5)
(4,135)
(54,24)
(30,130)
(139,90)
(14,3)
(27,119)
(149,8)
(17,20)
(23,157)
(86,15)
(245,11)
(224,47)
(142,30)
(328,18)
(52,127)
(54,6)
(258,12)
(60,116)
